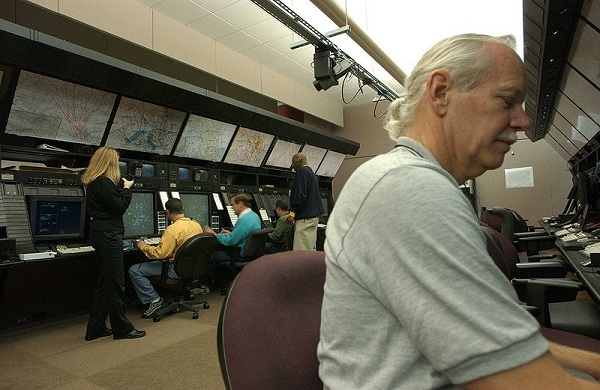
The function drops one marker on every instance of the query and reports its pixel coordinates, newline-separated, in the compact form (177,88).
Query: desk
(573,260)
(36,291)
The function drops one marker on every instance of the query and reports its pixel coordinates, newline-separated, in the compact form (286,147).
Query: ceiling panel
(183,11)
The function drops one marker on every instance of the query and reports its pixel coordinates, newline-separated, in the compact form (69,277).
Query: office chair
(255,248)
(190,262)
(542,285)
(270,322)
(515,228)
(273,345)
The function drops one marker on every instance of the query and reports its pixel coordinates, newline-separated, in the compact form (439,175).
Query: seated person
(174,236)
(278,238)
(248,221)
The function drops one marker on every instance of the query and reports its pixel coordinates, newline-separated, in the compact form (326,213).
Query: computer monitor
(57,218)
(140,217)
(325,203)
(196,206)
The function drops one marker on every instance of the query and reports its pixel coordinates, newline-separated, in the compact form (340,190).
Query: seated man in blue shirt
(248,221)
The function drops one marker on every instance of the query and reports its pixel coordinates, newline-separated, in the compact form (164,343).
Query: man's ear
(438,85)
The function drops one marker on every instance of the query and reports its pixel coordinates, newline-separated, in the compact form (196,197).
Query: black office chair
(190,262)
(255,248)
(542,285)
(270,322)
(524,237)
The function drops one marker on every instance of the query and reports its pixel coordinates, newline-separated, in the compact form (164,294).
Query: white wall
(140,24)
(552,178)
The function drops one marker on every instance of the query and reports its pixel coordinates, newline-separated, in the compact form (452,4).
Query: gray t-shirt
(412,298)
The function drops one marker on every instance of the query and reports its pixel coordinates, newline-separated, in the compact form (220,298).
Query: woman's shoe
(89,335)
(134,334)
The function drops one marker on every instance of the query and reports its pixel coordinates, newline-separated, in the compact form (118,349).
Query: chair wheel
(205,306)
(155,319)
(195,316)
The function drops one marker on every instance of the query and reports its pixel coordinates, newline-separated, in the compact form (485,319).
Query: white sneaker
(154,306)
(202,290)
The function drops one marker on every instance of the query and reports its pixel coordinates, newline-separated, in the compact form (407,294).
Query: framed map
(249,147)
(281,155)
(204,139)
(144,127)
(45,107)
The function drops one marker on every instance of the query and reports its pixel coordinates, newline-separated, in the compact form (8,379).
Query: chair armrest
(537,258)
(532,234)
(546,269)
(232,251)
(541,292)
(164,270)
(534,311)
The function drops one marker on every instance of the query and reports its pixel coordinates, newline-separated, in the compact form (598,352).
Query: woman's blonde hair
(467,59)
(105,161)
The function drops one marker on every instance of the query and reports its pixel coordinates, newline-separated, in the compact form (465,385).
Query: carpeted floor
(177,353)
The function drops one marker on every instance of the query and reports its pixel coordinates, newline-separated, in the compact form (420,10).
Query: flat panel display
(196,206)
(140,217)
(314,156)
(45,107)
(248,147)
(281,155)
(144,127)
(330,164)
(56,218)
(204,139)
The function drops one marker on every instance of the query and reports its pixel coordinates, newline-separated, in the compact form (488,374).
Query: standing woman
(106,204)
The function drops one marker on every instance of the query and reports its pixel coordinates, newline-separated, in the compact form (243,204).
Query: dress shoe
(89,335)
(134,334)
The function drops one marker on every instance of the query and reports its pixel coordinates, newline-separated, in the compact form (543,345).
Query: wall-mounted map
(314,155)
(44,107)
(249,147)
(331,163)
(281,155)
(204,139)
(144,127)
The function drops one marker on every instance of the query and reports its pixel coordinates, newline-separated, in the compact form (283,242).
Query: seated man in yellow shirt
(180,229)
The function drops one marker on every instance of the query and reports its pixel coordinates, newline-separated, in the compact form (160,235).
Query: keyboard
(64,250)
(152,240)
(591,248)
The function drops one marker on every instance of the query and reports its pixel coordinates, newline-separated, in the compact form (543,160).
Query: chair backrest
(270,323)
(502,251)
(255,246)
(191,259)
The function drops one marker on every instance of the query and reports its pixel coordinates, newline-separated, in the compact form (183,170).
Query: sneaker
(152,308)
(202,290)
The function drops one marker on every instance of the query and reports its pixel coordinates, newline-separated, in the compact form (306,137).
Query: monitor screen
(196,206)
(248,148)
(314,156)
(123,168)
(204,139)
(140,217)
(183,173)
(147,170)
(144,127)
(57,218)
(44,107)
(281,155)
(325,203)
(330,164)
